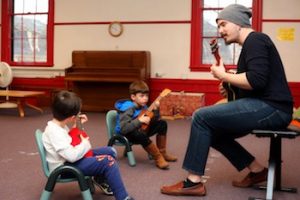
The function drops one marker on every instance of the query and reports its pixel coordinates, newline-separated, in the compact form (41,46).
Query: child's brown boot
(161,142)
(157,156)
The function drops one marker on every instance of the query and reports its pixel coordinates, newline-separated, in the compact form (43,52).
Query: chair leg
(274,171)
(131,159)
(91,185)
(49,187)
(277,160)
(128,150)
(270,183)
(46,195)
(87,195)
(271,172)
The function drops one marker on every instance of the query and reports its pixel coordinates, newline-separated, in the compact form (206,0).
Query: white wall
(289,49)
(169,44)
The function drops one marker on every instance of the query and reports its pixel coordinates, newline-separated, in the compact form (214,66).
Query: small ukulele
(75,135)
(148,112)
(231,93)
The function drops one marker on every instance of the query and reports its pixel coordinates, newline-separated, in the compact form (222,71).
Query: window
(204,28)
(27,32)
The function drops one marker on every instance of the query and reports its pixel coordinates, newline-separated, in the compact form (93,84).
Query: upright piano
(102,77)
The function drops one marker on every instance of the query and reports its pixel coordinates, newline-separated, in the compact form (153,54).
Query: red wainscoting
(295,88)
(57,82)
(209,87)
(48,85)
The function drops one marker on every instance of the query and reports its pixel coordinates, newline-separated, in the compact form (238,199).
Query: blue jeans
(218,126)
(104,163)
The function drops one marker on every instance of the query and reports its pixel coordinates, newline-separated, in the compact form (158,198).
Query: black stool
(274,169)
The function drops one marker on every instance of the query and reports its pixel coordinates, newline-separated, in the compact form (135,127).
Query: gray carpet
(22,177)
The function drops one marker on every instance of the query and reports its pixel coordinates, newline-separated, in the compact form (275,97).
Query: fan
(6,77)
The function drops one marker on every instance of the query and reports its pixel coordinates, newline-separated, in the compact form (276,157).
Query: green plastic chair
(85,182)
(118,139)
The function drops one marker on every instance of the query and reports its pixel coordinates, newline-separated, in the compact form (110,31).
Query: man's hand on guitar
(144,119)
(218,72)
(222,90)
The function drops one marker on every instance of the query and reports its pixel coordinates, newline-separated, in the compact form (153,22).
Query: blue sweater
(129,111)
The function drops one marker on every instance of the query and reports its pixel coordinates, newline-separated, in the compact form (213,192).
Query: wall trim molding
(123,22)
(282,20)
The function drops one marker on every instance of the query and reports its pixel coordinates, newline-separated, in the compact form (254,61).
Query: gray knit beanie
(237,14)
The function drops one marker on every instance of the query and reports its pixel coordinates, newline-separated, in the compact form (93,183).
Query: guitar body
(231,91)
(150,114)
(75,135)
(76,140)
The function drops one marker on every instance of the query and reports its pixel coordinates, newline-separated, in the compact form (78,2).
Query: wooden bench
(20,97)
(275,160)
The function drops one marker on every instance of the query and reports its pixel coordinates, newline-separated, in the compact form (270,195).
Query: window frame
(196,32)
(7,45)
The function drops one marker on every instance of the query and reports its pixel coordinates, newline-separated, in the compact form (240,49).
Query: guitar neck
(215,50)
(217,57)
(164,93)
(151,107)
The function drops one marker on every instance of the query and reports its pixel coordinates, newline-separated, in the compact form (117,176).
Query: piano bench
(274,169)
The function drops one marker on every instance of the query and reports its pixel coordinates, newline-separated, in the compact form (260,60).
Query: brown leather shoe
(252,179)
(178,190)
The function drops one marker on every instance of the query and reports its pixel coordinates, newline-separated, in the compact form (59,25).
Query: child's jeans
(103,163)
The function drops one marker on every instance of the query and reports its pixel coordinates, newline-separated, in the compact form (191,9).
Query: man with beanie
(264,101)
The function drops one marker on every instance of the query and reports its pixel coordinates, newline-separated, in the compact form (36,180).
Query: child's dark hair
(65,104)
(138,87)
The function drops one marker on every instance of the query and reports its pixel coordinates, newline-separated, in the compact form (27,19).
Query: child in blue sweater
(131,118)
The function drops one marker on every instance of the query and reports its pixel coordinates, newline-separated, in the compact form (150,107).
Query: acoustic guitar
(149,111)
(231,91)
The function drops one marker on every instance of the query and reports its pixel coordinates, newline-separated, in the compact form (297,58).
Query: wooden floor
(22,177)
